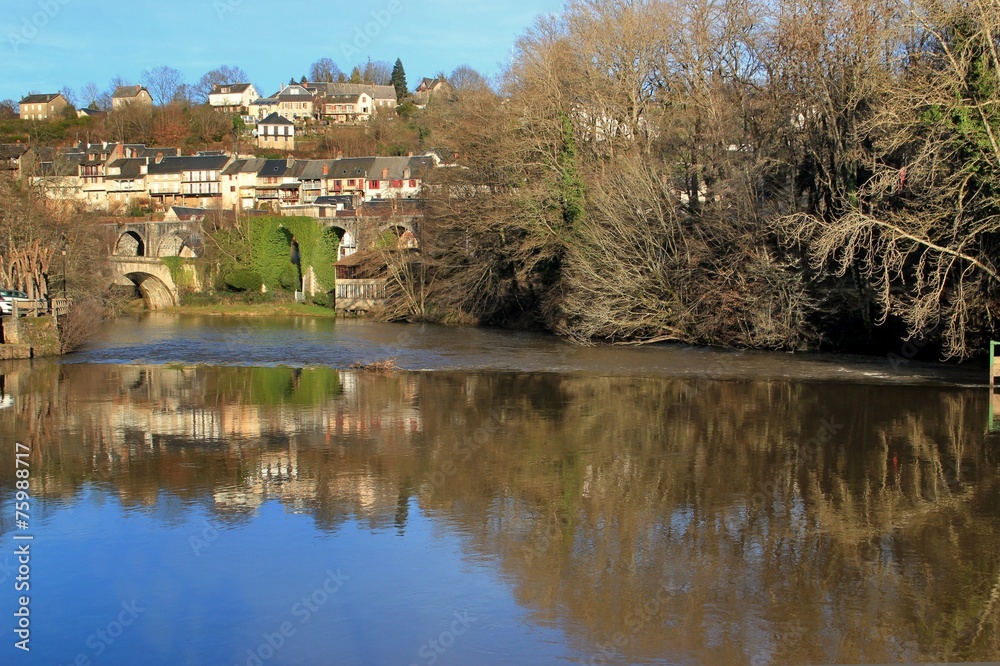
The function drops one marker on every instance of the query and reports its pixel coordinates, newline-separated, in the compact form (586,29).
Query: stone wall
(40,334)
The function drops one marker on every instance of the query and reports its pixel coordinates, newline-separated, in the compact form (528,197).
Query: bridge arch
(155,293)
(130,244)
(150,276)
(179,244)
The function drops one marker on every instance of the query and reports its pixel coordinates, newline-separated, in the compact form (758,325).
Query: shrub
(243,279)
(289,279)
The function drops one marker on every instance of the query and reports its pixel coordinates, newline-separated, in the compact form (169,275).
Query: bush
(243,279)
(324,300)
(289,279)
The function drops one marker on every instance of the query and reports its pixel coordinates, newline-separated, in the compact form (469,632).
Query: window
(413,183)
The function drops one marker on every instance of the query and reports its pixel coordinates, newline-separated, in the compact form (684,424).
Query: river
(209,490)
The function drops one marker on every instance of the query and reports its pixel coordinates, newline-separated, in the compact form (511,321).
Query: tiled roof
(128,92)
(40,98)
(170,165)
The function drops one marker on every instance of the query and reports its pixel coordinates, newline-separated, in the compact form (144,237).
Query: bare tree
(218,76)
(922,229)
(163,83)
(377,72)
(465,79)
(89,95)
(324,70)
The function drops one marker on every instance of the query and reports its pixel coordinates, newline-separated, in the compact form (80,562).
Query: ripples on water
(303,342)
(525,502)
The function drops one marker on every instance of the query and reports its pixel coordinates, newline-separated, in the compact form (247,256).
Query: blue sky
(49,44)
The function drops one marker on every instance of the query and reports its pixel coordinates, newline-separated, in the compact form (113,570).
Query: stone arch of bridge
(130,244)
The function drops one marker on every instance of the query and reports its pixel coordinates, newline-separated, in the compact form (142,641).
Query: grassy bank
(241,306)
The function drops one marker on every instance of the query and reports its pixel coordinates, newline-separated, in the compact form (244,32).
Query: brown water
(475,516)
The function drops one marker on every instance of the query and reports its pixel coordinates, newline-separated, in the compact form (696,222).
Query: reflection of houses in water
(189,427)
(169,402)
(274,475)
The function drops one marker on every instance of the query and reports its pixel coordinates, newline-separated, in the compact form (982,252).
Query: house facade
(42,106)
(343,109)
(430,87)
(12,158)
(277,132)
(233,97)
(381,96)
(194,180)
(395,177)
(125,95)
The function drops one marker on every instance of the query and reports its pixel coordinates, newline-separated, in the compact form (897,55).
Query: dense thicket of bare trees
(785,174)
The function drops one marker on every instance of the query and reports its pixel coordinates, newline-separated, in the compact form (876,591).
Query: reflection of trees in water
(684,519)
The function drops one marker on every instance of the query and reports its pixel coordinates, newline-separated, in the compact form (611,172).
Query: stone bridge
(140,245)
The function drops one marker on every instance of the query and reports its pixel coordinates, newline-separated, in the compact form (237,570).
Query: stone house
(42,106)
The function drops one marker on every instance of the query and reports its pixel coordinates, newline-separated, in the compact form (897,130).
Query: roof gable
(275,119)
(40,98)
(128,92)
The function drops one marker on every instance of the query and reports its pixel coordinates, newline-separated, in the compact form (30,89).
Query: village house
(233,97)
(295,103)
(430,87)
(125,183)
(311,175)
(93,171)
(383,97)
(277,132)
(395,177)
(276,185)
(90,113)
(12,158)
(194,180)
(347,177)
(262,107)
(125,95)
(239,183)
(58,173)
(42,106)
(340,109)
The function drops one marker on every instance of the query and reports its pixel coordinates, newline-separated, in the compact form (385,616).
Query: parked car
(10,296)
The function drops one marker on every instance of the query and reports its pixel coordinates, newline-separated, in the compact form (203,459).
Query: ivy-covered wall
(270,250)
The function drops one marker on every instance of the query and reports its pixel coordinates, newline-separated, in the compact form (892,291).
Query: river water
(227,491)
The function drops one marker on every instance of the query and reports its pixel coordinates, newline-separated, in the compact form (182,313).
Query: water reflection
(642,519)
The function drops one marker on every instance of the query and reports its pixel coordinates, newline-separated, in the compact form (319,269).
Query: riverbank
(254,310)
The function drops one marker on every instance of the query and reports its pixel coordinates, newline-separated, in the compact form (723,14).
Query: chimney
(409,154)
(385,174)
(159,157)
(326,169)
(340,154)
